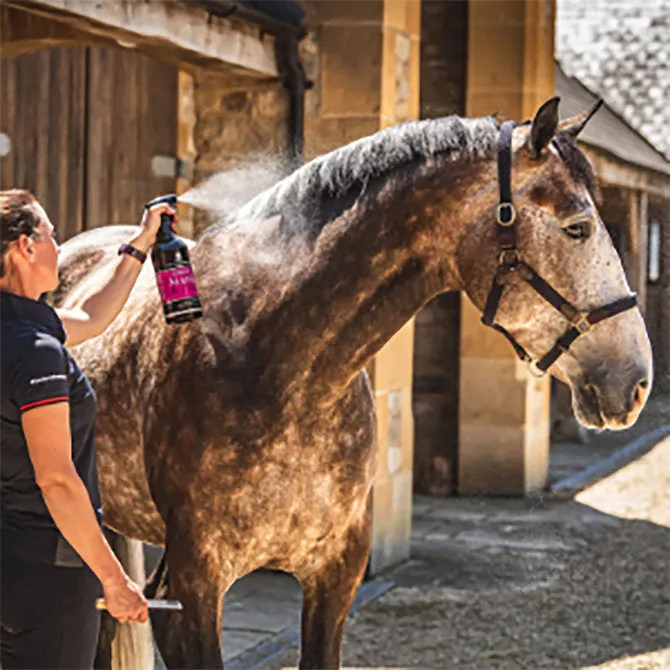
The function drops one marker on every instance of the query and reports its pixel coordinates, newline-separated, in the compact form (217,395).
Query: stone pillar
(392,373)
(363,58)
(342,55)
(504,411)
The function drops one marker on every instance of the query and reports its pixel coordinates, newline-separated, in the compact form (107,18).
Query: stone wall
(227,121)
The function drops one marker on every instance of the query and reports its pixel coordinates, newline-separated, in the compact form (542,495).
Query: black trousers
(48,616)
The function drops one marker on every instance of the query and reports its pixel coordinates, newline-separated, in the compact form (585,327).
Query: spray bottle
(174,274)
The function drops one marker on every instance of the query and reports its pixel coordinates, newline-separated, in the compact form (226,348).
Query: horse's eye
(579,230)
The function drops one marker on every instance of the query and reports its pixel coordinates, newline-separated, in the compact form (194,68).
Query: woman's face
(46,253)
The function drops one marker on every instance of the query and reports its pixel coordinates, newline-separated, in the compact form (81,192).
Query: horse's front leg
(191,638)
(327,595)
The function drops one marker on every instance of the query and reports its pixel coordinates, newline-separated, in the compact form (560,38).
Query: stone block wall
(342,56)
(504,416)
(392,374)
(226,120)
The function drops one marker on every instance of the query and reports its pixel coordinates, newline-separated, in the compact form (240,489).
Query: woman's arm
(47,433)
(101,304)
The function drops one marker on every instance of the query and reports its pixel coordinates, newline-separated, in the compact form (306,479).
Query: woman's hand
(125,601)
(101,300)
(151,221)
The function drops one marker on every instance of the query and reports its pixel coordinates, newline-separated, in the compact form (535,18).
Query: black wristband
(131,251)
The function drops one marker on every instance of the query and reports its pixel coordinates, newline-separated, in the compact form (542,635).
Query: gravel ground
(511,584)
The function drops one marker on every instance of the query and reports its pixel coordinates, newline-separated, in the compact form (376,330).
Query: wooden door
(43,112)
(84,125)
(132,117)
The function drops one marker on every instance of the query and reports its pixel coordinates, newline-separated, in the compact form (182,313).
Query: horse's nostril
(638,393)
(592,390)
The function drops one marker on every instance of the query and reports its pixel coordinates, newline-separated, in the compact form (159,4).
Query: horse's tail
(126,646)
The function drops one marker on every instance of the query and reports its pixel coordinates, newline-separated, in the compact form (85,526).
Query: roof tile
(621,50)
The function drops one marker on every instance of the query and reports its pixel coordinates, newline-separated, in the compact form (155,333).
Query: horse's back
(80,256)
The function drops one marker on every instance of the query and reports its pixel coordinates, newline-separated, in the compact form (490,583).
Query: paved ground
(505,584)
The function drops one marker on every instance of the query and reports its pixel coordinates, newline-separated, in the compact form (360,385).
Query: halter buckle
(508,258)
(582,323)
(505,214)
(535,371)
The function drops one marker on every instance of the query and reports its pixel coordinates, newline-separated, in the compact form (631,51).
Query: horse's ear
(544,126)
(575,124)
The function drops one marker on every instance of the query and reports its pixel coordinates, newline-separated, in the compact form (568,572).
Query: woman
(55,559)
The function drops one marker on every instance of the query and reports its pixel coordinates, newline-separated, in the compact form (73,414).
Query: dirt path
(504,584)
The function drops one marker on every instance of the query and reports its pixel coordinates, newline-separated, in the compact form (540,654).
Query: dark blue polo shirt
(38,370)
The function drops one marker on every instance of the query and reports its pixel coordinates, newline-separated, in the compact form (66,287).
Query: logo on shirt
(49,378)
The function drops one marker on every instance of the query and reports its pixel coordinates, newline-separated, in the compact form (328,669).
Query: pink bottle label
(177,284)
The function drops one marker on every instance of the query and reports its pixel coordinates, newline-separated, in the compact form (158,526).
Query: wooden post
(663,374)
(635,259)
(643,245)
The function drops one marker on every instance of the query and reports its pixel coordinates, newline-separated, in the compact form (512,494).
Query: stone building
(104,105)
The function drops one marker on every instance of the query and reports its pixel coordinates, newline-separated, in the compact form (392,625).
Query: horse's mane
(305,198)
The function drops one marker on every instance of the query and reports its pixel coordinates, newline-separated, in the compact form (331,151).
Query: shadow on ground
(498,584)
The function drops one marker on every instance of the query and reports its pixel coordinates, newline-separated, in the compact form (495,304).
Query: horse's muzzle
(609,402)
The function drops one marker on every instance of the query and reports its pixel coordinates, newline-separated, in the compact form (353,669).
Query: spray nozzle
(169,199)
(167,220)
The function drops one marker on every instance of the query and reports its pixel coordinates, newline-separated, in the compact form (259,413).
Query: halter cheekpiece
(509,263)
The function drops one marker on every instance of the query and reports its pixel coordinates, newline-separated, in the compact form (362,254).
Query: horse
(246,439)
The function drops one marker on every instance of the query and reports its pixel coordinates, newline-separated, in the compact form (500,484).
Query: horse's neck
(369,272)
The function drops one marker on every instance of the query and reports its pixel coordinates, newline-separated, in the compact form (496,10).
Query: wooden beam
(615,172)
(23,32)
(173,31)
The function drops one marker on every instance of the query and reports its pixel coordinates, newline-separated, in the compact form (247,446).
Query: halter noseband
(509,262)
